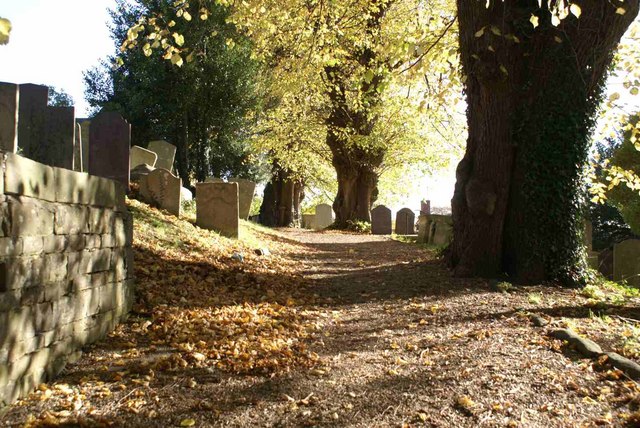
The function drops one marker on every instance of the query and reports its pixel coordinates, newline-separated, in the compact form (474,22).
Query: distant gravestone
(32,109)
(324,216)
(162,189)
(308,221)
(246,190)
(84,139)
(56,148)
(626,262)
(77,149)
(423,229)
(9,99)
(381,220)
(166,153)
(217,208)
(141,156)
(110,137)
(405,222)
(425,207)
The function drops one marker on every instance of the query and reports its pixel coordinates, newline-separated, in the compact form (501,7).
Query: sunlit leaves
(5,30)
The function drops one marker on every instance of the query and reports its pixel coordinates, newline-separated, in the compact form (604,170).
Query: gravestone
(186,194)
(246,190)
(214,180)
(626,262)
(85,124)
(425,207)
(308,221)
(141,156)
(217,208)
(162,189)
(166,153)
(32,107)
(56,147)
(324,216)
(9,101)
(605,263)
(441,232)
(405,222)
(140,171)
(423,229)
(381,220)
(77,149)
(110,137)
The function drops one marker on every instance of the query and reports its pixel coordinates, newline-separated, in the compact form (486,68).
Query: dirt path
(401,343)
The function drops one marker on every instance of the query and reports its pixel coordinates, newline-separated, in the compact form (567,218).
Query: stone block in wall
(21,272)
(25,177)
(10,300)
(101,220)
(72,187)
(75,242)
(32,245)
(30,217)
(10,247)
(71,220)
(56,243)
(92,242)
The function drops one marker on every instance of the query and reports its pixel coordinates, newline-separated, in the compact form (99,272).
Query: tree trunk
(281,201)
(356,188)
(532,102)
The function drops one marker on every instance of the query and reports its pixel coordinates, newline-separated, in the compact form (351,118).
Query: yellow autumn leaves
(5,30)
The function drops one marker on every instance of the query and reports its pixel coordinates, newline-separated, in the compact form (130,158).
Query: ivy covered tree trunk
(281,200)
(357,187)
(532,96)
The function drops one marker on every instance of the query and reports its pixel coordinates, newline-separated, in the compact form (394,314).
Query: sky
(53,42)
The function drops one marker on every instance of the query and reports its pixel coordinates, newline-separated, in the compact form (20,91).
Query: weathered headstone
(110,137)
(166,153)
(217,208)
(214,180)
(405,222)
(441,229)
(9,99)
(308,221)
(626,262)
(141,156)
(56,147)
(425,207)
(85,124)
(140,171)
(324,216)
(246,190)
(381,220)
(32,108)
(77,149)
(423,229)
(162,189)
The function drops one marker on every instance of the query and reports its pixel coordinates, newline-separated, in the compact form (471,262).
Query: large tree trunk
(531,106)
(356,190)
(281,200)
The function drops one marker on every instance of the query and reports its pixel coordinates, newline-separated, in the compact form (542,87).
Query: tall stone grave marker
(85,124)
(77,149)
(110,137)
(217,208)
(246,190)
(405,222)
(56,147)
(166,153)
(32,108)
(626,262)
(324,216)
(381,220)
(141,156)
(9,99)
(162,189)
(423,229)
(425,207)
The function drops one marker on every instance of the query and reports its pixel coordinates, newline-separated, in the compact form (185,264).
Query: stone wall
(66,276)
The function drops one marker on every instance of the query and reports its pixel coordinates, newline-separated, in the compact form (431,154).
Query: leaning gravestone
(85,124)
(626,262)
(162,189)
(324,216)
(9,98)
(56,148)
(246,190)
(405,222)
(32,109)
(381,220)
(110,137)
(217,208)
(166,154)
(141,156)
